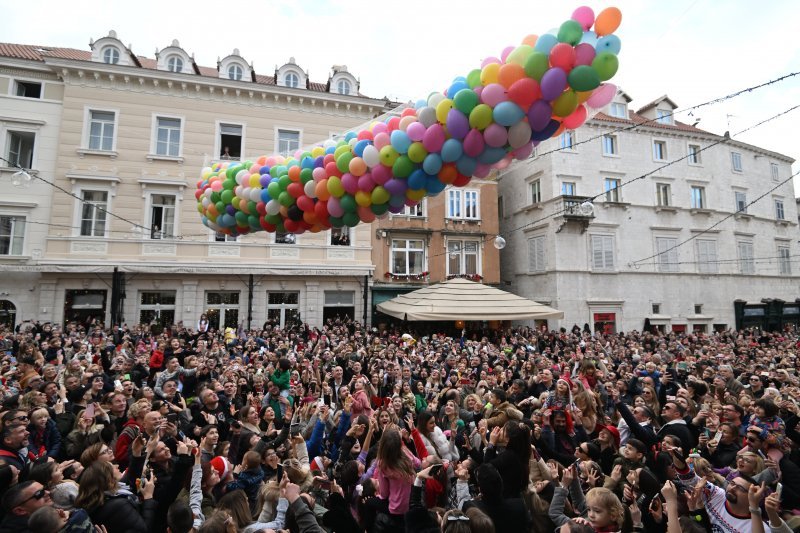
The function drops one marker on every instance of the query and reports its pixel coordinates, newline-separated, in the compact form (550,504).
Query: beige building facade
(122,237)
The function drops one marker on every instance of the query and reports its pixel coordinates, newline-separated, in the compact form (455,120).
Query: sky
(691,50)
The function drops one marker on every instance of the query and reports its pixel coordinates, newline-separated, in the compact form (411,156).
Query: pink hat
(221,465)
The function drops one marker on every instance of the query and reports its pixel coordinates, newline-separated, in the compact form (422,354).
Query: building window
(618,110)
(663,194)
(707,256)
(230,141)
(162,216)
(773,168)
(8,314)
(779,213)
(408,257)
(283,308)
(101,130)
(568,188)
(736,161)
(740,203)
(12,235)
(285,238)
(93,213)
(784,261)
(222,309)
(664,116)
(19,149)
(610,145)
(340,236)
(28,89)
(694,154)
(175,64)
(235,72)
(157,307)
(602,252)
(611,187)
(566,140)
(343,87)
(698,197)
(698,309)
(667,248)
(463,258)
(536,191)
(462,204)
(536,254)
(417,210)
(746,262)
(110,55)
(168,136)
(660,150)
(288,141)
(222,237)
(291,80)
(656,309)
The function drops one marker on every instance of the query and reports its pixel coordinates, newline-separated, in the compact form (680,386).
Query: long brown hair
(392,459)
(95,481)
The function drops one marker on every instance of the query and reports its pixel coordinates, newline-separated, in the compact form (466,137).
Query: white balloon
(434,99)
(206,202)
(255,194)
(310,188)
(427,115)
(519,134)
(371,156)
(330,143)
(273,207)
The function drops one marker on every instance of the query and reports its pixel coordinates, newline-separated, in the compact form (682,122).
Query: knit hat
(317,465)
(64,495)
(611,429)
(221,465)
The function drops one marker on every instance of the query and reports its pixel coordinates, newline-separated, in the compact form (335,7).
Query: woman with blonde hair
(650,397)
(112,505)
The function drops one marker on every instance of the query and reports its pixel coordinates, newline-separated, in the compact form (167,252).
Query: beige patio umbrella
(461,299)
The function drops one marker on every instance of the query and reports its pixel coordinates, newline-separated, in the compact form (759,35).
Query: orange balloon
(559,131)
(310,217)
(321,189)
(284,211)
(607,21)
(448,173)
(294,173)
(509,73)
(530,40)
(583,95)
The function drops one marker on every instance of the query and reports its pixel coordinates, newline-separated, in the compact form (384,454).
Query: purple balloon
(457,124)
(264,180)
(539,115)
(395,187)
(230,209)
(553,83)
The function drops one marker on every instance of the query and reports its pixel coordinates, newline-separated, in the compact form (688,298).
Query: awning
(461,299)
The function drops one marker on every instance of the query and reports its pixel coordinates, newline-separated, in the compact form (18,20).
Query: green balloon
(220,207)
(273,219)
(336,222)
(380,195)
(465,100)
(348,203)
(273,172)
(474,78)
(379,209)
(279,227)
(252,207)
(306,175)
(565,104)
(520,54)
(583,78)
(480,117)
(285,199)
(253,221)
(215,197)
(274,190)
(232,171)
(226,197)
(229,184)
(403,167)
(536,65)
(570,32)
(284,182)
(241,218)
(343,161)
(351,219)
(606,65)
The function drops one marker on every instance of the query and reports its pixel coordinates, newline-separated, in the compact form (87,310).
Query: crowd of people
(348,429)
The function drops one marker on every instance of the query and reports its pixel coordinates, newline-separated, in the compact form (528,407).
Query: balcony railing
(574,207)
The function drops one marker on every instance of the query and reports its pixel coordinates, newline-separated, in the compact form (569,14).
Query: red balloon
(305,204)
(461,180)
(321,210)
(329,158)
(563,56)
(291,226)
(524,92)
(409,111)
(332,170)
(365,135)
(295,189)
(394,123)
(266,225)
(261,207)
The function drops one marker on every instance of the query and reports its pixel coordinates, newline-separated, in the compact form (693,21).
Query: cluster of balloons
(483,121)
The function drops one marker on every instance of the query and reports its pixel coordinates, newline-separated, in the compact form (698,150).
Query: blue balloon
(397,201)
(609,43)
(307,162)
(432,164)
(457,86)
(400,141)
(545,43)
(466,165)
(589,37)
(491,155)
(417,180)
(547,132)
(420,104)
(264,170)
(358,149)
(350,135)
(451,150)
(265,197)
(330,150)
(507,113)
(434,186)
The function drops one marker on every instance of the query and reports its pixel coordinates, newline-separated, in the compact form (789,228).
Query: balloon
(606,65)
(590,38)
(388,156)
(562,56)
(507,113)
(520,55)
(510,73)
(400,141)
(480,117)
(610,44)
(539,115)
(607,21)
(493,94)
(457,124)
(519,134)
(416,130)
(489,73)
(427,116)
(465,100)
(371,156)
(417,152)
(536,65)
(417,180)
(576,119)
(451,150)
(545,43)
(583,16)
(474,143)
(565,104)
(583,78)
(432,164)
(602,96)
(434,138)
(553,83)
(584,54)
(496,135)
(570,32)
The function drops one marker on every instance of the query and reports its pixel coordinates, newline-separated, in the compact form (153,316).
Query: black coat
(509,515)
(120,514)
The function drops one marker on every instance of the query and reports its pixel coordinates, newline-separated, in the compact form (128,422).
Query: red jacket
(130,431)
(156,360)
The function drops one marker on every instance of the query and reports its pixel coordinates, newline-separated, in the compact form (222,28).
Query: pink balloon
(602,95)
(350,183)
(366,183)
(415,131)
(503,163)
(473,143)
(380,127)
(382,139)
(584,54)
(495,135)
(319,174)
(493,94)
(434,138)
(576,119)
(489,61)
(481,171)
(334,207)
(584,16)
(381,174)
(523,152)
(507,50)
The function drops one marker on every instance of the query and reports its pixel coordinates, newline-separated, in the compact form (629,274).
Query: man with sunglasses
(20,502)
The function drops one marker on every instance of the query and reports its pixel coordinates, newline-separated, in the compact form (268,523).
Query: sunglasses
(457,518)
(38,495)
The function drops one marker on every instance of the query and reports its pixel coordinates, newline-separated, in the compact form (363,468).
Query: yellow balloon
(489,73)
(364,199)
(443,109)
(340,150)
(317,151)
(416,195)
(255,180)
(417,152)
(583,96)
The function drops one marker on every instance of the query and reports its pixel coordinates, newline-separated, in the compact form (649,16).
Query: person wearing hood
(501,411)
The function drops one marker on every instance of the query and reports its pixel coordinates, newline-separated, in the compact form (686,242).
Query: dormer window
(235,72)
(110,55)
(175,64)
(664,116)
(343,87)
(291,80)
(618,110)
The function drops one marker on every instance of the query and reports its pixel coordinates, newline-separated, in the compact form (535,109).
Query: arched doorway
(8,313)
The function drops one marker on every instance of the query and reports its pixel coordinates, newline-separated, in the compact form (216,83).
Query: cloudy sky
(692,50)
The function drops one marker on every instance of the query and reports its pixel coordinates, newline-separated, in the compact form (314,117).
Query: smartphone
(117,383)
(717,438)
(294,429)
(435,469)
(760,453)
(89,412)
(324,484)
(172,418)
(779,489)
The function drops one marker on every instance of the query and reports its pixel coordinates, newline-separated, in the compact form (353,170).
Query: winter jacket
(249,481)
(49,438)
(502,414)
(361,405)
(130,431)
(439,445)
(306,521)
(14,524)
(122,514)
